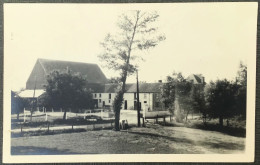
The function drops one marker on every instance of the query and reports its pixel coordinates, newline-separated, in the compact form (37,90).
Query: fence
(45,115)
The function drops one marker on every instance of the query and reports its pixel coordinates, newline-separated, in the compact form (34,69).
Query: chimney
(203,79)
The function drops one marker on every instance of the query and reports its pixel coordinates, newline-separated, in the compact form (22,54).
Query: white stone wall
(104,97)
(146,100)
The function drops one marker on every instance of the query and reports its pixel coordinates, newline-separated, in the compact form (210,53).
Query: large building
(43,67)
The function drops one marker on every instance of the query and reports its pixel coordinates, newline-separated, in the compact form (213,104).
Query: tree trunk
(204,118)
(31,115)
(117,118)
(117,107)
(221,120)
(18,115)
(64,115)
(187,115)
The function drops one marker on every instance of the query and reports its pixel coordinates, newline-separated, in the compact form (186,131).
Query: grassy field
(153,139)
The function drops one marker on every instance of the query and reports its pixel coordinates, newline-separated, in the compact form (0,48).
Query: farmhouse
(149,94)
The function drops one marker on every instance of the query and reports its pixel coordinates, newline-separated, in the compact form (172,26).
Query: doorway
(125,104)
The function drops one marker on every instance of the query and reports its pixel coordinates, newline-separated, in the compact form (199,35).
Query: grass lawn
(153,139)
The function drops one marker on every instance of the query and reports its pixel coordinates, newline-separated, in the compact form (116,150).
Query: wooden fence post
(46,116)
(24,115)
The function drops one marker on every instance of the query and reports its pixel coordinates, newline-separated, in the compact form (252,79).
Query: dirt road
(153,139)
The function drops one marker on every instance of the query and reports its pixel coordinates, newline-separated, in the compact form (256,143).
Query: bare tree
(137,33)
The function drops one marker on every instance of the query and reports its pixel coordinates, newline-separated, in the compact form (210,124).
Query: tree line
(220,99)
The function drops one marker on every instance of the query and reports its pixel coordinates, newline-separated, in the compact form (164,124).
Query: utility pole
(138,104)
(33,105)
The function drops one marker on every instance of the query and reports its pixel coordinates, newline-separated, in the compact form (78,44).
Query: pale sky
(206,38)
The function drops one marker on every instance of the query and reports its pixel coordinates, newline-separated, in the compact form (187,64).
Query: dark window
(134,95)
(99,94)
(109,101)
(100,100)
(157,104)
(95,95)
(145,101)
(109,95)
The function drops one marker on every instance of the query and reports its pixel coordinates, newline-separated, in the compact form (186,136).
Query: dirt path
(154,139)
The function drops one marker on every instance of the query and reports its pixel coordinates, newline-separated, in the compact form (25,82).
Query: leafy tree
(221,101)
(114,80)
(176,95)
(136,33)
(183,97)
(18,104)
(67,91)
(241,78)
(241,81)
(198,100)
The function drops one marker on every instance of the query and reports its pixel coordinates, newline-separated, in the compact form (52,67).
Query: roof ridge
(40,61)
(43,59)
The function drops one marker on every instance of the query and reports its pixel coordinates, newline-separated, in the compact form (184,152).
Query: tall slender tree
(136,33)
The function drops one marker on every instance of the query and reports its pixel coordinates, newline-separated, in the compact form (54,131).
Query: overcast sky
(206,38)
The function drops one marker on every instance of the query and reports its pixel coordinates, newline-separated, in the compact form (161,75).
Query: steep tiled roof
(111,88)
(131,88)
(145,88)
(92,72)
(196,78)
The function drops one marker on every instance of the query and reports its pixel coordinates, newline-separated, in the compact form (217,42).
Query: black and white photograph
(130,82)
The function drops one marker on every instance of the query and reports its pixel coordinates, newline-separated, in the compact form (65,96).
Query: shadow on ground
(224,145)
(31,150)
(238,132)
(174,139)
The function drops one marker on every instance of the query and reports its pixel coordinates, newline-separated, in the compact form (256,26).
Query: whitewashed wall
(104,97)
(146,100)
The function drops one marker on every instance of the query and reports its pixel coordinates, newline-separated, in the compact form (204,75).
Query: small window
(100,100)
(109,101)
(95,95)
(145,101)
(109,96)
(99,94)
(134,95)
